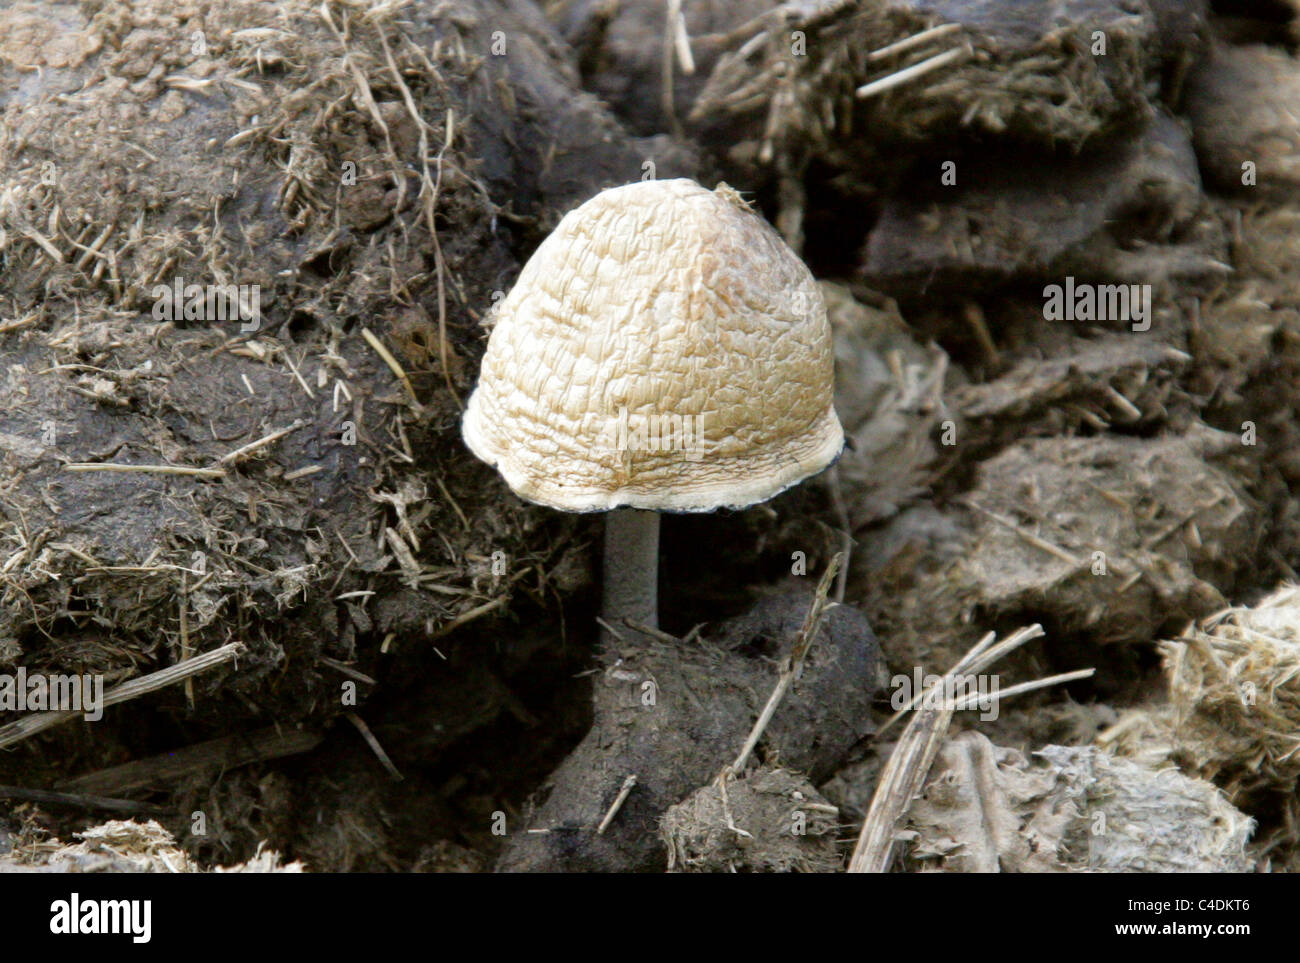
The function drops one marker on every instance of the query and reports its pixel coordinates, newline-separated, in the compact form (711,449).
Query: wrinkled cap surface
(662,349)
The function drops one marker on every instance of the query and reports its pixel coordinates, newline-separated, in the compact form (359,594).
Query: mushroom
(662,350)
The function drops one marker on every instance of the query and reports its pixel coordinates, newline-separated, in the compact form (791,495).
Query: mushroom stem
(631,577)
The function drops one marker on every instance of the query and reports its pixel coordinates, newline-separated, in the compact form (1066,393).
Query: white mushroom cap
(663,312)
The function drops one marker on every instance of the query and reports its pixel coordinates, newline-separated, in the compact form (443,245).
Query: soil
(419,680)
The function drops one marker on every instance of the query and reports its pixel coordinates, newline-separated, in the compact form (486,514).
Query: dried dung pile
(1126,212)
(1234,709)
(770,821)
(1230,716)
(1241,101)
(276,462)
(1233,687)
(867,92)
(673,715)
(786,73)
(1105,540)
(889,395)
(249,256)
(989,809)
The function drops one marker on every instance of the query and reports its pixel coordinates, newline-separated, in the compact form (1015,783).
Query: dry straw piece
(127,846)
(1234,685)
